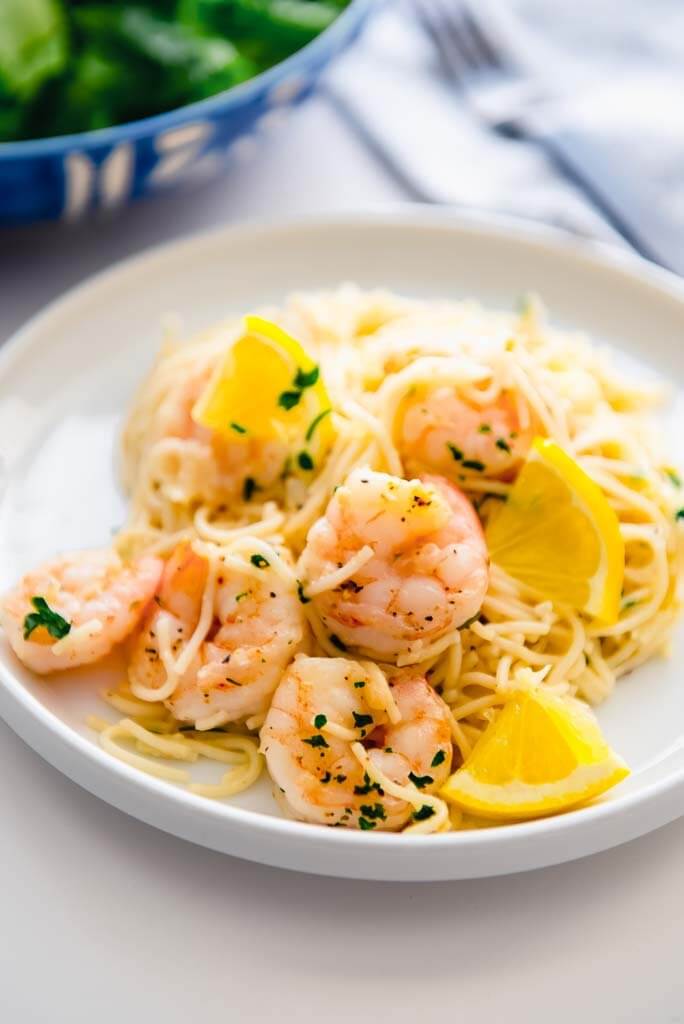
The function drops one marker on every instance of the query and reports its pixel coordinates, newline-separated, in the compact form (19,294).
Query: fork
(497,88)
(510,101)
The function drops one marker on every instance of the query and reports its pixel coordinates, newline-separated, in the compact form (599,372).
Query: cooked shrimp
(191,462)
(220,635)
(441,431)
(74,609)
(394,565)
(325,705)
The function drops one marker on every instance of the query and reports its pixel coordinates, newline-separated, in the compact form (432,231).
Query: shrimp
(321,707)
(74,609)
(191,463)
(445,432)
(221,633)
(405,560)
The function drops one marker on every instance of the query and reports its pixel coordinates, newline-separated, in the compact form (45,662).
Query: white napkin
(611,76)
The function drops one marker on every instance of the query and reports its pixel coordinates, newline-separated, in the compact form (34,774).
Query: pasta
(249,506)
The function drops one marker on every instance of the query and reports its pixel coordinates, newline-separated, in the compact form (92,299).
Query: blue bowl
(68,176)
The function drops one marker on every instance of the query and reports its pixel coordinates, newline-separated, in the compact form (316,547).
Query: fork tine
(435,20)
(462,46)
(481,37)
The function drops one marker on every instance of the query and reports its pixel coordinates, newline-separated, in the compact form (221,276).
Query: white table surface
(105,920)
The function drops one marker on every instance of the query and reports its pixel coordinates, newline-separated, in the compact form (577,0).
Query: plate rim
(36,724)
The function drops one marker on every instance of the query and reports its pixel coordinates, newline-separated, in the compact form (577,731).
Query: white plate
(67,376)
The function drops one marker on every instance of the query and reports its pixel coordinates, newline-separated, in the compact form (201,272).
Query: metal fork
(509,100)
(495,85)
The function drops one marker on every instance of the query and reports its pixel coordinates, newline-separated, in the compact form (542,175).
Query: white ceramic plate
(65,380)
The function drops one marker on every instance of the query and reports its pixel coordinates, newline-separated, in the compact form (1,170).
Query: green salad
(69,66)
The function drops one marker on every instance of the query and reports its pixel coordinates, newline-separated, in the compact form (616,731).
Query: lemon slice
(267,387)
(541,754)
(558,534)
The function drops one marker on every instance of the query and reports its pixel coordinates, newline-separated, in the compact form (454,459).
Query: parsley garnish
(238,428)
(259,561)
(288,399)
(359,685)
(674,477)
(320,721)
(679,514)
(314,423)
(239,597)
(456,453)
(44,616)
(484,428)
(303,379)
(473,464)
(336,642)
(301,595)
(317,741)
(367,787)
(365,824)
(423,812)
(421,781)
(376,812)
(469,622)
(326,778)
(306,378)
(304,461)
(362,720)
(248,488)
(439,758)
(503,445)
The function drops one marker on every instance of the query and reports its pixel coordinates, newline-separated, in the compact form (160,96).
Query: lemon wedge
(558,534)
(542,754)
(267,387)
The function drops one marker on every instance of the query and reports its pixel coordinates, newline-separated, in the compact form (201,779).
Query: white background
(105,920)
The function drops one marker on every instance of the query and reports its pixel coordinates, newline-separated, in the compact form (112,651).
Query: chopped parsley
(320,721)
(359,684)
(336,642)
(316,741)
(303,379)
(259,561)
(484,428)
(679,514)
(238,428)
(248,488)
(376,812)
(314,423)
(367,787)
(306,378)
(304,461)
(326,778)
(674,477)
(340,778)
(469,622)
(456,453)
(473,464)
(423,813)
(439,758)
(503,445)
(301,595)
(241,595)
(360,721)
(288,399)
(44,616)
(365,824)
(421,781)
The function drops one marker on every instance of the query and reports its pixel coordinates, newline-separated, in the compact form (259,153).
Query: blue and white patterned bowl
(68,176)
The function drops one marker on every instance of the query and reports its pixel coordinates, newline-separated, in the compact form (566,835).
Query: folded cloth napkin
(611,66)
